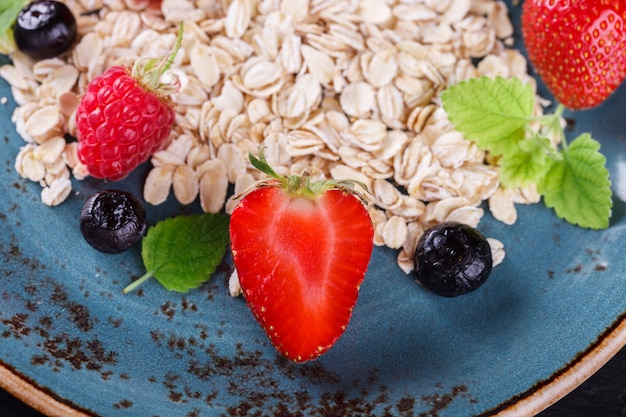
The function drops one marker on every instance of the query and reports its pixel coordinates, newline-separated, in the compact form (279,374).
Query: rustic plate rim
(529,403)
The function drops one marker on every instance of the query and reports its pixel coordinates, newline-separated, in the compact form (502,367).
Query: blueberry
(452,259)
(44,29)
(112,221)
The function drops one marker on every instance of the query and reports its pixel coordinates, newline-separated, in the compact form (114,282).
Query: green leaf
(578,186)
(9,9)
(493,112)
(7,43)
(527,165)
(496,113)
(182,252)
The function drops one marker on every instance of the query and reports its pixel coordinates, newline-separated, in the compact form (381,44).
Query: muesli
(341,89)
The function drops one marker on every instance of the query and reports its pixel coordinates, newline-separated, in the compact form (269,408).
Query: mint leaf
(182,252)
(7,42)
(496,113)
(9,9)
(578,186)
(527,165)
(493,112)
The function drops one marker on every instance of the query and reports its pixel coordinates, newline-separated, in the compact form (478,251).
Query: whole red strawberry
(301,250)
(578,47)
(124,117)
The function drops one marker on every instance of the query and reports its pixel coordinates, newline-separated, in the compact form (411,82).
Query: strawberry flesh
(300,263)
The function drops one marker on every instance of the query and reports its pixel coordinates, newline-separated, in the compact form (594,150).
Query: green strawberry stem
(150,70)
(136,283)
(301,185)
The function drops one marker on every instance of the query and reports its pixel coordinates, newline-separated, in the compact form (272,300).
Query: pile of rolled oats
(344,89)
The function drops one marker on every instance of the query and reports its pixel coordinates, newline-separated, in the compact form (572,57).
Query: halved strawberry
(301,250)
(578,48)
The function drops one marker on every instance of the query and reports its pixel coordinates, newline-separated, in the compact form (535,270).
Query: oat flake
(339,89)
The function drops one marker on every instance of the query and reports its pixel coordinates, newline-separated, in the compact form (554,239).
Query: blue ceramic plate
(72,344)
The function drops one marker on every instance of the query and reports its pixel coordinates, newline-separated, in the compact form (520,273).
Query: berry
(452,259)
(124,117)
(301,250)
(119,124)
(112,221)
(578,48)
(44,29)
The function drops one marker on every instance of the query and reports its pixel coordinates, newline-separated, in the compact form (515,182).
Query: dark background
(603,395)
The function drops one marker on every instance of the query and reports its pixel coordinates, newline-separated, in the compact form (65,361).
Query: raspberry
(124,117)
(119,124)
